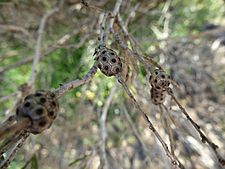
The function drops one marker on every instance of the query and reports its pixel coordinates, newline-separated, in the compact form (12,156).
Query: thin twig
(135,131)
(103,132)
(168,129)
(75,83)
(183,132)
(150,125)
(14,28)
(102,28)
(59,43)
(145,60)
(204,138)
(39,39)
(5,98)
(132,14)
(92,7)
(111,22)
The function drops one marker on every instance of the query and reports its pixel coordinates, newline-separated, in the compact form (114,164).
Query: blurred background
(187,38)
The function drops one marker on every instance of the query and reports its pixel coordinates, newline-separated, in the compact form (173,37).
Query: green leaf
(33,163)
(77,160)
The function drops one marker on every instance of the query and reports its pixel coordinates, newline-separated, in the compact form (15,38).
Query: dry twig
(39,39)
(103,131)
(204,138)
(75,83)
(150,125)
(14,150)
(14,128)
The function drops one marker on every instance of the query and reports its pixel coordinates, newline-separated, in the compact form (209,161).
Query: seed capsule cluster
(160,82)
(108,61)
(41,108)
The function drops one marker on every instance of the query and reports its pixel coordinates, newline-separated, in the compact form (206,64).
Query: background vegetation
(174,33)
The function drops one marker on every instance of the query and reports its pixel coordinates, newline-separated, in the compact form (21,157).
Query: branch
(146,61)
(14,28)
(103,132)
(132,13)
(168,129)
(59,43)
(8,143)
(93,7)
(102,27)
(14,128)
(134,130)
(111,22)
(9,121)
(75,83)
(150,125)
(204,138)
(5,98)
(14,150)
(37,54)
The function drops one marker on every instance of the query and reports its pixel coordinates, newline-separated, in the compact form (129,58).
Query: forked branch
(150,125)
(204,138)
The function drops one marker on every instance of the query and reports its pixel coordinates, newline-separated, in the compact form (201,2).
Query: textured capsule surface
(160,82)
(41,108)
(157,96)
(108,61)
